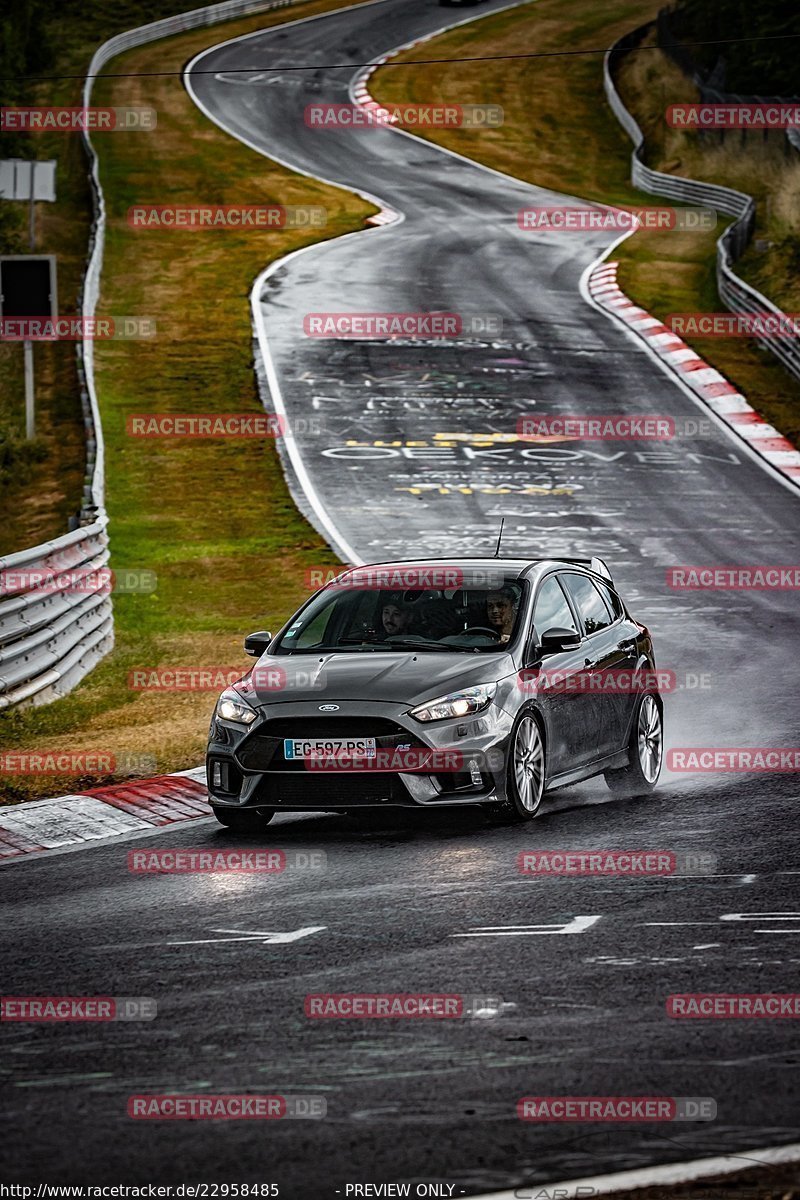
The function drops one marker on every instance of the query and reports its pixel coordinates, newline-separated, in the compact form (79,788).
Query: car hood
(373,676)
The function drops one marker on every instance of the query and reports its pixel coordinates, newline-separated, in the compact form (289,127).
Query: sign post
(30,402)
(21,179)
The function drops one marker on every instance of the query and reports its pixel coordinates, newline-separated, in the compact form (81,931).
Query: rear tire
(244,820)
(646,750)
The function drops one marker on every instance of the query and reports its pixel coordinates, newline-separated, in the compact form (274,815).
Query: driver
(395,615)
(501,612)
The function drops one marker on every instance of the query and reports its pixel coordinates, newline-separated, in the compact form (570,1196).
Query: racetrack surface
(642,506)
(418,1100)
(422,1100)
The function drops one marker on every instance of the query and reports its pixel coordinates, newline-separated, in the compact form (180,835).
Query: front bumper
(246,767)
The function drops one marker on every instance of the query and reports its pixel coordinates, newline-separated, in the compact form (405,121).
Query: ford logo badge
(329,708)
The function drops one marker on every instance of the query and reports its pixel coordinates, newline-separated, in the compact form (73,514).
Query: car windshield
(481,612)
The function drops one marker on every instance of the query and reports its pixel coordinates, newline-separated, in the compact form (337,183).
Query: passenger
(501,611)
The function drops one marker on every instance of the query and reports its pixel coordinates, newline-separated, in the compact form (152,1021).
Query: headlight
(457,704)
(231,707)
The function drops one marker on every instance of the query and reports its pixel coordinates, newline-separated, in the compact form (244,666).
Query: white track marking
(576,925)
(665,1176)
(261,937)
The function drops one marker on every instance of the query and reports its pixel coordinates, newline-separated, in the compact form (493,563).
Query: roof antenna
(499,537)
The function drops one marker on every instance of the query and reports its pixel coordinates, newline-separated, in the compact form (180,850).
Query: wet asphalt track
(424,1101)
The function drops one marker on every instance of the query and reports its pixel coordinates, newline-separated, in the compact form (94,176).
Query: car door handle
(628,644)
(588,662)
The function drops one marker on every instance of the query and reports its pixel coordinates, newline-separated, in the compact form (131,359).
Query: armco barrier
(737,295)
(50,638)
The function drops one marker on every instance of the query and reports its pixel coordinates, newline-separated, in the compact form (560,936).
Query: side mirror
(256,643)
(555,640)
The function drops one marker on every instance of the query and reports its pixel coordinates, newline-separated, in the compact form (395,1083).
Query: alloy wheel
(650,738)
(529,764)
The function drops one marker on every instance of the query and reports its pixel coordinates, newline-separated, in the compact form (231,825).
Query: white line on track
(671,1175)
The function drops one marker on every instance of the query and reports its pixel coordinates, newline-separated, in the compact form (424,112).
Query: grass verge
(41,481)
(213,519)
(560,133)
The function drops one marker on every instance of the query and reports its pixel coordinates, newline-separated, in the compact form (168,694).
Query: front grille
(341,791)
(262,750)
(332,727)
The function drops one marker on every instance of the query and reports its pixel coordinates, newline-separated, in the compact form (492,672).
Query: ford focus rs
(439,683)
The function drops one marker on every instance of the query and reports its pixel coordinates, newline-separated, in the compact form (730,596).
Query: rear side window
(595,613)
(612,600)
(552,610)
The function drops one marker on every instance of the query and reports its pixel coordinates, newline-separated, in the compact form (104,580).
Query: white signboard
(16,175)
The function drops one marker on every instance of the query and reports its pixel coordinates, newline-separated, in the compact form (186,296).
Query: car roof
(520,566)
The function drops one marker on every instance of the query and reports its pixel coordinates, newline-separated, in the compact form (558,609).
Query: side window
(593,609)
(612,600)
(314,631)
(552,610)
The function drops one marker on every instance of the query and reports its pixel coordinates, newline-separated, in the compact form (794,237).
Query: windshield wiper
(396,644)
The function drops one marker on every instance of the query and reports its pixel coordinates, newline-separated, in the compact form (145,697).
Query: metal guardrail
(737,295)
(51,631)
(53,634)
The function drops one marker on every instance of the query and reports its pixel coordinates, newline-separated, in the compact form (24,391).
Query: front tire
(646,751)
(526,776)
(244,820)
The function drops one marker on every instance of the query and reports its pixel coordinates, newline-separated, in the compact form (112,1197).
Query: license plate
(301,748)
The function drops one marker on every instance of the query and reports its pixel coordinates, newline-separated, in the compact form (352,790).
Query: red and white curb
(704,380)
(136,806)
(672,1175)
(361,93)
(707,384)
(361,96)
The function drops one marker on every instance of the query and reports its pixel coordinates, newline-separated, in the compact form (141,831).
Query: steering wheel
(483,629)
